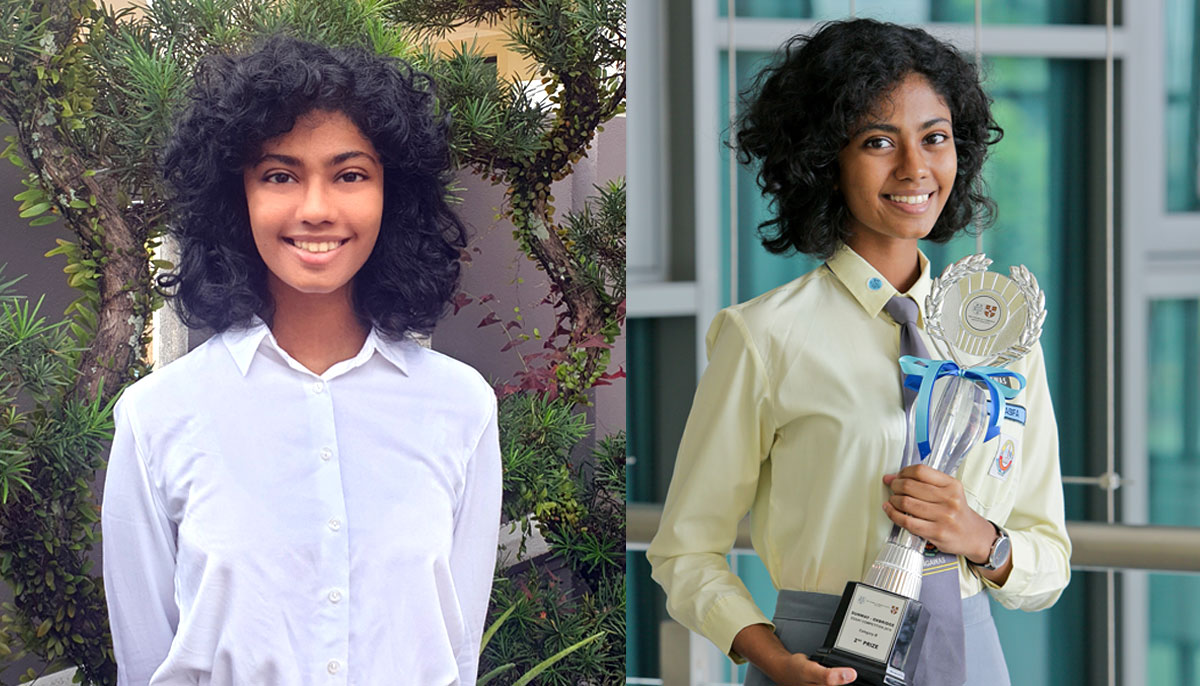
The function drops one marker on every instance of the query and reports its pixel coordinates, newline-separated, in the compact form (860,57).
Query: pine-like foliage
(578,590)
(526,143)
(49,441)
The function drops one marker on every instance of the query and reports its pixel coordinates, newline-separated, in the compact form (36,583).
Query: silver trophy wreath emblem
(979,322)
(982,318)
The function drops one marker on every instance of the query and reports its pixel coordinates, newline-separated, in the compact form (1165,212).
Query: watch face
(1000,554)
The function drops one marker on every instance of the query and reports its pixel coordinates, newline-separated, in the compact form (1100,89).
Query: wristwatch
(1001,549)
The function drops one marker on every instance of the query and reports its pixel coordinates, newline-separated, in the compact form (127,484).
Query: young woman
(309,497)
(871,136)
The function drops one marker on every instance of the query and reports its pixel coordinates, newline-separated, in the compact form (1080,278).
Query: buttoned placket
(330,526)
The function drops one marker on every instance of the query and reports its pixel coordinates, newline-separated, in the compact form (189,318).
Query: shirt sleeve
(476,536)
(728,434)
(1041,551)
(139,558)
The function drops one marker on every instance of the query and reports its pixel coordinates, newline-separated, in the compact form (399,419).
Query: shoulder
(782,317)
(800,297)
(171,385)
(452,376)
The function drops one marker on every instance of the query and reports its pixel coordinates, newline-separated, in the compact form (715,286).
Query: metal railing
(1094,546)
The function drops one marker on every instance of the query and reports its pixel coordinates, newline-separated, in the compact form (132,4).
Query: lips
(910,198)
(910,202)
(316,251)
(316,244)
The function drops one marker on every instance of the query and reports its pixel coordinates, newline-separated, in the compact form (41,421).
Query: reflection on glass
(1173,438)
(917,11)
(1183,106)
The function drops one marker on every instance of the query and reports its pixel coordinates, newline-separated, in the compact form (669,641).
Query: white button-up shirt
(267,525)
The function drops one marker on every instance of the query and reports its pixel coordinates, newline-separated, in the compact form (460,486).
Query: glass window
(1183,106)
(920,11)
(1173,438)
(662,369)
(645,608)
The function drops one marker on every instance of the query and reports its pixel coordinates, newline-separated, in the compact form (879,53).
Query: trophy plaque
(979,321)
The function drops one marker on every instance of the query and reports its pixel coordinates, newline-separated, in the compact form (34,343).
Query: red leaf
(619,374)
(593,341)
(514,324)
(460,301)
(488,320)
(464,255)
(486,297)
(511,344)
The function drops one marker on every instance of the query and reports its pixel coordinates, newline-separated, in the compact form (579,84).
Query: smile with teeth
(316,247)
(909,199)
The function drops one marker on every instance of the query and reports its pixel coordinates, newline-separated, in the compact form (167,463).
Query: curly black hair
(799,112)
(239,102)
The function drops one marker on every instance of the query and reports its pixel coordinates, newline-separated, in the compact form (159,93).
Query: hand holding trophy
(979,322)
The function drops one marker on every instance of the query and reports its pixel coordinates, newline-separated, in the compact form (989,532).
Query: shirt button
(335,524)
(326,453)
(875,283)
(334,666)
(335,596)
(318,386)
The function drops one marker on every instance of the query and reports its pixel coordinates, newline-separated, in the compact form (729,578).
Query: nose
(317,205)
(912,164)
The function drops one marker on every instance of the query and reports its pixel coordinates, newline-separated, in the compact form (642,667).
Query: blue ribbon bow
(921,373)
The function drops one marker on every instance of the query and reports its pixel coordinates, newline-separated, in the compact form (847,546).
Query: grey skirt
(802,619)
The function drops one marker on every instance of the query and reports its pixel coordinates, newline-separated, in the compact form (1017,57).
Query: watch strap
(991,563)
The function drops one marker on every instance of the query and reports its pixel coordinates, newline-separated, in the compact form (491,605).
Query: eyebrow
(880,126)
(296,162)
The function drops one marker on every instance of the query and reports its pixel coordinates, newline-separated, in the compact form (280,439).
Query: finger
(814,673)
(918,489)
(948,499)
(915,507)
(915,525)
(840,676)
(923,472)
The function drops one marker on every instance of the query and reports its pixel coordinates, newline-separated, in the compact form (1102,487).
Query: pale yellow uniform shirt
(796,419)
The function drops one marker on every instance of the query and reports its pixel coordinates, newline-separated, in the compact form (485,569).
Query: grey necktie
(942,661)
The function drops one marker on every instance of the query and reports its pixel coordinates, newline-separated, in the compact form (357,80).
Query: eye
(937,137)
(877,143)
(353,177)
(277,177)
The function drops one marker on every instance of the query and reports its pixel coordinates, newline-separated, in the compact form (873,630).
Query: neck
(894,258)
(317,330)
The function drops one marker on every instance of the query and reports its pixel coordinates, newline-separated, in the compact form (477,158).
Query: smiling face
(899,166)
(315,199)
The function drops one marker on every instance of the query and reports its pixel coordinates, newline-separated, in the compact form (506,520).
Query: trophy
(979,321)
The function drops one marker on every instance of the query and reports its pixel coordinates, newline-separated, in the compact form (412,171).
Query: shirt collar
(243,344)
(868,286)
